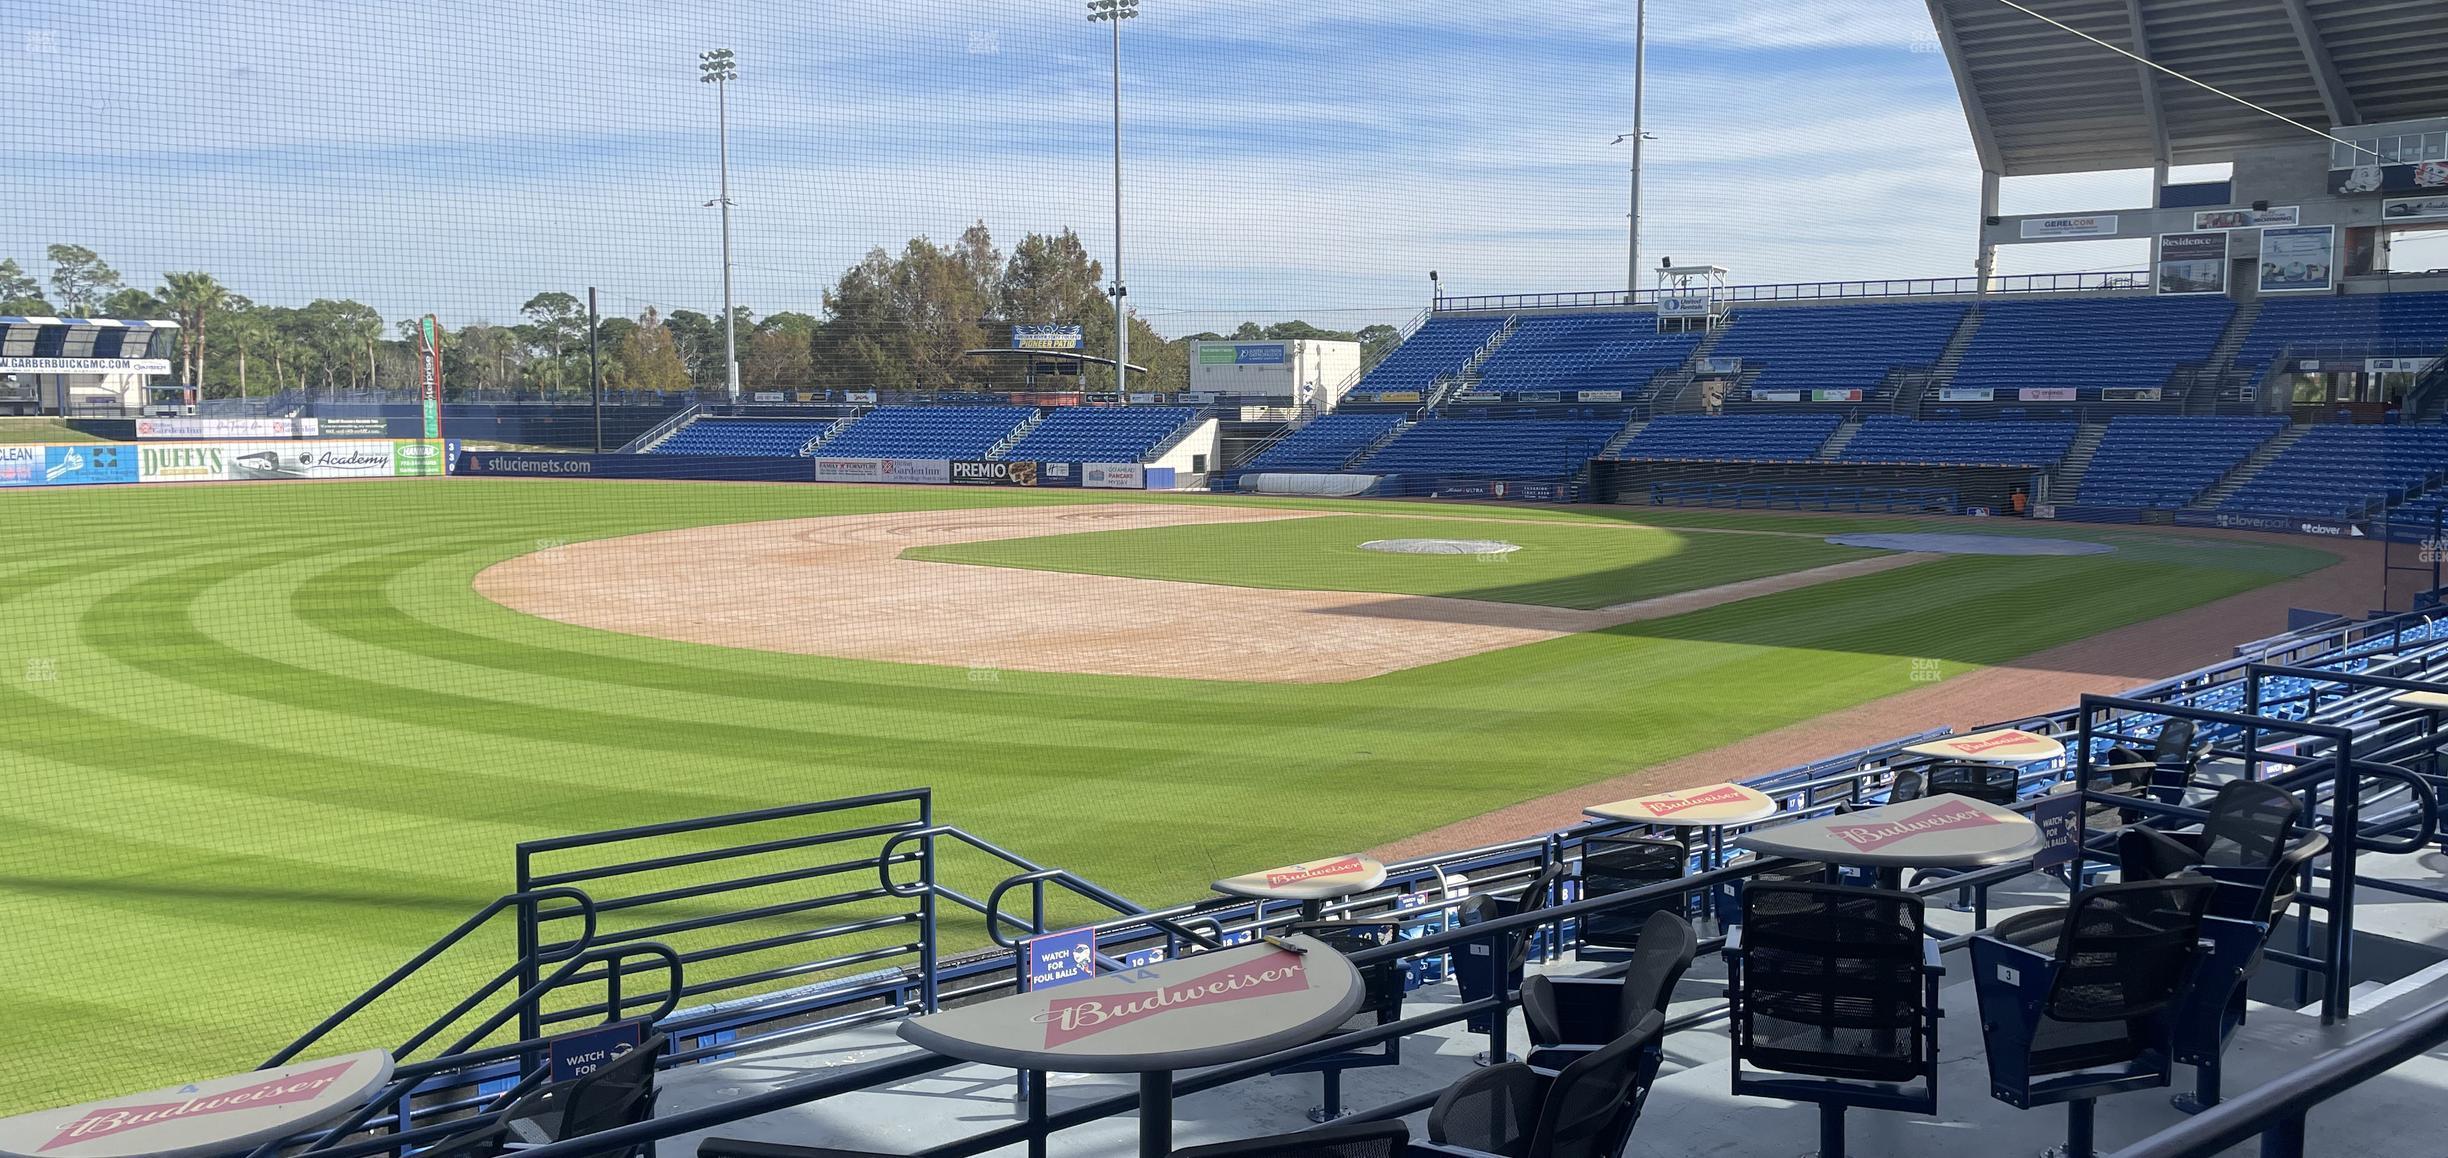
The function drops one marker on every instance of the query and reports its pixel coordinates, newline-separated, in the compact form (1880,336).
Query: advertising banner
(1398,396)
(2294,260)
(2046,394)
(1598,395)
(21,465)
(1716,367)
(2398,365)
(2192,263)
(2410,177)
(2409,209)
(1966,394)
(1126,476)
(229,427)
(1836,395)
(884,470)
(1683,305)
(349,428)
(1241,353)
(995,474)
(221,461)
(85,365)
(88,463)
(1060,958)
(416,459)
(2129,394)
(2048,228)
(1046,338)
(429,377)
(2248,218)
(1776,396)
(2287,524)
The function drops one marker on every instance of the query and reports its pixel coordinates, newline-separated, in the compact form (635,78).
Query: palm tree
(193,297)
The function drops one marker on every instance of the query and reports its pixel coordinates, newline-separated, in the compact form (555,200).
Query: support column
(1986,263)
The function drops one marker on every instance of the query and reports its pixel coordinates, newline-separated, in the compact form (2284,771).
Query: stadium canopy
(2041,100)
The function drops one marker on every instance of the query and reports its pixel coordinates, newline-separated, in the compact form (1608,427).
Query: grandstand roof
(2041,100)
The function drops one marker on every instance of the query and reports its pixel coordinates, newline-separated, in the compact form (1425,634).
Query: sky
(1280,160)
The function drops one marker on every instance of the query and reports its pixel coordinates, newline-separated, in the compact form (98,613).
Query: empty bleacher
(1836,347)
(1608,351)
(1325,444)
(2409,325)
(2336,472)
(744,437)
(1522,448)
(1438,347)
(1100,433)
(1903,441)
(1731,438)
(2168,461)
(2091,343)
(927,432)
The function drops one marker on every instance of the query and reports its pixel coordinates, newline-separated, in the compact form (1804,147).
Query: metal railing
(2111,282)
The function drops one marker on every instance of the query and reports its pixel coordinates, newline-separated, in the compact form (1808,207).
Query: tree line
(902,321)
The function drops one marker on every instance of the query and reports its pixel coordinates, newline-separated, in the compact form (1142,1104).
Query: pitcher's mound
(1441,546)
(1972,544)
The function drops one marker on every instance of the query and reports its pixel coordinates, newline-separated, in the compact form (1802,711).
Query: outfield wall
(99,463)
(871,471)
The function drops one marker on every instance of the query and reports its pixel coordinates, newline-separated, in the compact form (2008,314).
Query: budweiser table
(1712,808)
(2002,746)
(220,1116)
(1312,884)
(1946,831)
(1209,1009)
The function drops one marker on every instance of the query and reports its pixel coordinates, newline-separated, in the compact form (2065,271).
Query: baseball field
(262,742)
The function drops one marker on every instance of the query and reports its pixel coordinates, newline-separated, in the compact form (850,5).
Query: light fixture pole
(1114,12)
(1640,61)
(719,69)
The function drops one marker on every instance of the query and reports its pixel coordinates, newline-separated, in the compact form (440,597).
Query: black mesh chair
(2249,825)
(2175,759)
(1619,864)
(1909,784)
(1516,1110)
(1988,783)
(1571,1016)
(1476,974)
(2075,1003)
(1835,994)
(1340,1140)
(619,1092)
(1381,987)
(2242,915)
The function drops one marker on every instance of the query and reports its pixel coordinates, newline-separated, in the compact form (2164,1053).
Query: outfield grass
(1579,565)
(23,430)
(264,742)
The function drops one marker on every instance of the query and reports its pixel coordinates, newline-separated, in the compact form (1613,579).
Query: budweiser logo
(1070,1019)
(103,1123)
(1944,817)
(1979,744)
(1670,805)
(1291,876)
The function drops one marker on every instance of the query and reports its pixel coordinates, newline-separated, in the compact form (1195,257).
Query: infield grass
(263,742)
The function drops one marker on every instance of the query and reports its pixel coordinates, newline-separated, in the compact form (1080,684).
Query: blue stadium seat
(2395,325)
(927,432)
(1585,351)
(1100,433)
(2001,443)
(1329,441)
(1438,347)
(1733,438)
(1522,448)
(745,437)
(2168,461)
(1836,347)
(2343,472)
(2089,343)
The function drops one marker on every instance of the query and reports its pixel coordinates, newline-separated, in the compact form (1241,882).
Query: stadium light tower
(1640,59)
(1114,12)
(717,68)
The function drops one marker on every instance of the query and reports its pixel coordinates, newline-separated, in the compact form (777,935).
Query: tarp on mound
(1287,483)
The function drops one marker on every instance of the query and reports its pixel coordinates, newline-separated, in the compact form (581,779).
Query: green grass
(1578,565)
(22,430)
(261,743)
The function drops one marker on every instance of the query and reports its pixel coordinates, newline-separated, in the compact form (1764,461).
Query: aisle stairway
(1834,447)
(2066,481)
(2244,472)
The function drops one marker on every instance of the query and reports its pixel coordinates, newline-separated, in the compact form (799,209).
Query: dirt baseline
(837,587)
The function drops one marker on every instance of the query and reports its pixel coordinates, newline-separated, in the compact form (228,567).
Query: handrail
(2115,281)
(582,905)
(1064,877)
(661,429)
(2276,1111)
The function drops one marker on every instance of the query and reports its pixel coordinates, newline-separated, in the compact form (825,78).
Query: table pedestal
(1155,1114)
